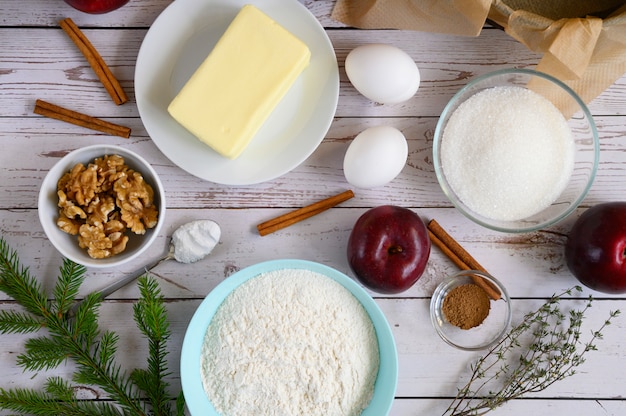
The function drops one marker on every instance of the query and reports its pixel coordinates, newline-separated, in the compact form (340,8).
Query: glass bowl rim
(450,282)
(450,194)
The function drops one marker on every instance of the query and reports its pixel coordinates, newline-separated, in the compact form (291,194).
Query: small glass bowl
(492,329)
(582,127)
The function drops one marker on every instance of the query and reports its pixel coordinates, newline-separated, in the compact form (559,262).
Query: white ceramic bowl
(580,123)
(493,328)
(197,400)
(67,244)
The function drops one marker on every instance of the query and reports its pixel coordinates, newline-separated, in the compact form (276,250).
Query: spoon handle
(115,286)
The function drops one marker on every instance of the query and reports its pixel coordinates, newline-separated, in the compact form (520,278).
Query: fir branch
(57,398)
(60,389)
(76,336)
(16,281)
(151,318)
(42,353)
(180,404)
(107,348)
(112,379)
(14,322)
(67,286)
(85,322)
(514,367)
(63,391)
(97,367)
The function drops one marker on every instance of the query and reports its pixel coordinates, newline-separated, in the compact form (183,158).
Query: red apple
(388,248)
(596,248)
(96,6)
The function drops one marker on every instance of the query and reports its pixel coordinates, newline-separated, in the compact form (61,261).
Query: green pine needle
(77,337)
(14,322)
(151,318)
(107,348)
(85,322)
(68,284)
(42,353)
(57,398)
(16,281)
(60,389)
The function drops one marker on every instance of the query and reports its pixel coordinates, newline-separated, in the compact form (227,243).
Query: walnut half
(135,199)
(100,202)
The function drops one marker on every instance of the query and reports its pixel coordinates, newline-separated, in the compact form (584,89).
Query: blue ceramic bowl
(196,399)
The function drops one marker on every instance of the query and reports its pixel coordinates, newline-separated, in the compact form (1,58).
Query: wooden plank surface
(37,60)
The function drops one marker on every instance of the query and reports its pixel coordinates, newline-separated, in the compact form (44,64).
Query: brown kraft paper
(582,42)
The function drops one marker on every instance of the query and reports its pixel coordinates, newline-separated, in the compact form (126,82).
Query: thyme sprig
(80,339)
(544,348)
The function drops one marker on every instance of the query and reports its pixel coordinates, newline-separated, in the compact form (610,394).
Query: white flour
(290,342)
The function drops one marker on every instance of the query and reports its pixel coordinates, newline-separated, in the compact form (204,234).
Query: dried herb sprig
(80,339)
(544,348)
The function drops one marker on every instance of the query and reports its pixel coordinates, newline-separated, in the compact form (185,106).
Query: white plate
(179,40)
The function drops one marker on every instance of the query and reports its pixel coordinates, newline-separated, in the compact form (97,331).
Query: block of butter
(239,84)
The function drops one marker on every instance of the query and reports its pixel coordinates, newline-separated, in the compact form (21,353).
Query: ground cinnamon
(466,306)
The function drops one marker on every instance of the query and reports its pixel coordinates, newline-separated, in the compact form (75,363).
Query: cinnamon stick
(460,257)
(298,215)
(108,80)
(50,110)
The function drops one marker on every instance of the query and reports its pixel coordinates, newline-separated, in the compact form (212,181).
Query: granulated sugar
(507,152)
(290,342)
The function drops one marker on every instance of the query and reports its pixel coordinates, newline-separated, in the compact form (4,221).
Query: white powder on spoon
(290,342)
(507,152)
(195,240)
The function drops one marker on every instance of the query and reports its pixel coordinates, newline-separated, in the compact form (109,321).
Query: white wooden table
(37,60)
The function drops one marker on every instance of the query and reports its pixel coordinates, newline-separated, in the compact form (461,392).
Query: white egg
(375,157)
(383,73)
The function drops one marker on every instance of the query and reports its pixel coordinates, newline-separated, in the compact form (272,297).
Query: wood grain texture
(37,61)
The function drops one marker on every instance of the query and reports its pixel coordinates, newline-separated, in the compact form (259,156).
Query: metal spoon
(190,242)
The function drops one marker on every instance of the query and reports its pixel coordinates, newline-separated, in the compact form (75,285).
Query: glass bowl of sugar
(516,150)
(471,310)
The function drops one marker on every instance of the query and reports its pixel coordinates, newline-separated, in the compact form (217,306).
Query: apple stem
(395,249)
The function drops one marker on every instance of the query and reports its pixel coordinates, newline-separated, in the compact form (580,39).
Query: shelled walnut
(103,201)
